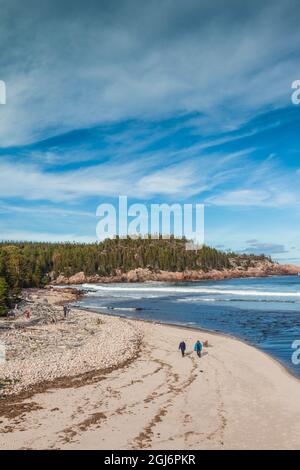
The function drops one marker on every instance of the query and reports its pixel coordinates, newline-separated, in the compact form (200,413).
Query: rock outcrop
(261,269)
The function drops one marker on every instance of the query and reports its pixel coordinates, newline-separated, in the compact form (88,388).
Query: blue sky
(189,103)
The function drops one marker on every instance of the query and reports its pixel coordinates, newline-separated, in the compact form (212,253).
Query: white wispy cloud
(153,175)
(20,235)
(258,248)
(44,210)
(256,198)
(233,179)
(244,197)
(265,184)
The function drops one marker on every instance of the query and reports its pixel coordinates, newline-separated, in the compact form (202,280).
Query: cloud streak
(101,65)
(136,179)
(270,249)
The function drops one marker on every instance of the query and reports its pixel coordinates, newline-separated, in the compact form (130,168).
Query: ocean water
(264,312)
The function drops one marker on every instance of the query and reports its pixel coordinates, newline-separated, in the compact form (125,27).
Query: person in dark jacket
(182,347)
(198,348)
(65,311)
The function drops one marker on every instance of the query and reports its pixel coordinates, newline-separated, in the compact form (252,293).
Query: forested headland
(31,264)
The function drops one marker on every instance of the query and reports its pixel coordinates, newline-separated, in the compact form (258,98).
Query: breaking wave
(220,299)
(188,290)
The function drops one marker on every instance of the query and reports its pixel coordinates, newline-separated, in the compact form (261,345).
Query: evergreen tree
(3,296)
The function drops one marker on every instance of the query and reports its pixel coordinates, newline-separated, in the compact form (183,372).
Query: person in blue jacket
(198,348)
(182,347)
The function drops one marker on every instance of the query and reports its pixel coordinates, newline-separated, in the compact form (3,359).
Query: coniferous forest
(30,264)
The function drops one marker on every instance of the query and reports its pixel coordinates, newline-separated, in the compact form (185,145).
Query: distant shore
(263,269)
(132,390)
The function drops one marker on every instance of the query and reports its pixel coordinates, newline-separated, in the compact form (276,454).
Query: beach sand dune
(234,397)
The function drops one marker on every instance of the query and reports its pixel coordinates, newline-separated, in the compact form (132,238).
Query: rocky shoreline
(47,347)
(261,269)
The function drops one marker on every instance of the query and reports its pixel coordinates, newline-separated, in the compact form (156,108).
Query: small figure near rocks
(66,311)
(182,347)
(27,314)
(13,312)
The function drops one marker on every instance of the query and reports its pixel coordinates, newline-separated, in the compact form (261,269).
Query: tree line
(31,264)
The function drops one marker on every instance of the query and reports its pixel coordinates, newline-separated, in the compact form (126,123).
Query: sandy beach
(133,390)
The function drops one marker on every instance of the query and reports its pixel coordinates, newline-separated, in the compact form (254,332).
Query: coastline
(263,269)
(197,330)
(238,395)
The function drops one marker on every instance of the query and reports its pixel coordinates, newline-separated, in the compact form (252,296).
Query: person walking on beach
(198,348)
(27,314)
(182,347)
(65,311)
